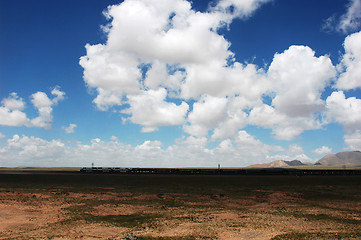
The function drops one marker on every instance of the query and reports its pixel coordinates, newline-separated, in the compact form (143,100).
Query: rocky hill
(350,158)
(278,164)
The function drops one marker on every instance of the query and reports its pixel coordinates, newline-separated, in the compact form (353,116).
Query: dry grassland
(92,206)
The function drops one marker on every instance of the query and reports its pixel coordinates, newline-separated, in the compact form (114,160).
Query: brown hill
(278,164)
(349,158)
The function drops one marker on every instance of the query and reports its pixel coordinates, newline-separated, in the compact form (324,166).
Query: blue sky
(231,82)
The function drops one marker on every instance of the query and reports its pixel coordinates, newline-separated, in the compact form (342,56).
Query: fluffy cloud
(161,75)
(158,51)
(351,20)
(234,120)
(283,127)
(105,99)
(70,128)
(11,111)
(239,9)
(59,95)
(151,110)
(44,105)
(243,150)
(161,57)
(150,32)
(26,151)
(205,115)
(107,70)
(346,111)
(350,65)
(220,81)
(13,102)
(297,79)
(294,152)
(149,145)
(322,150)
(353,140)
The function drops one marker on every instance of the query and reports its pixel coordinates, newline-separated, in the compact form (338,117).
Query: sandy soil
(83,210)
(60,215)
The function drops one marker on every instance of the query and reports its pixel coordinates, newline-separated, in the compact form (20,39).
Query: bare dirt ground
(107,211)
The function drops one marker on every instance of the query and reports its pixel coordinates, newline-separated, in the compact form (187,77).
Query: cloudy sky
(174,83)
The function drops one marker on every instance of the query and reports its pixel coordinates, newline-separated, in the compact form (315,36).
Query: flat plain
(71,205)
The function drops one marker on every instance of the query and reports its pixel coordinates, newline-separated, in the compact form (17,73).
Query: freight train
(223,171)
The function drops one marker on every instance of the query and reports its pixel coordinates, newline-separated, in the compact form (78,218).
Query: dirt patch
(226,216)
(179,229)
(93,231)
(214,211)
(91,196)
(123,209)
(278,196)
(146,197)
(16,217)
(243,234)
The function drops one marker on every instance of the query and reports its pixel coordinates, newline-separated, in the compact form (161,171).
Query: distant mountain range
(349,158)
(342,158)
(278,164)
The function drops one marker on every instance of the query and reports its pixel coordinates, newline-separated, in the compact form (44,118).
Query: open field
(101,206)
(323,167)
(40,169)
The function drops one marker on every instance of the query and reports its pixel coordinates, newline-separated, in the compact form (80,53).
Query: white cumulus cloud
(59,95)
(351,20)
(160,52)
(243,150)
(44,105)
(297,79)
(12,109)
(294,152)
(347,22)
(350,66)
(149,145)
(165,64)
(353,140)
(13,102)
(322,150)
(346,111)
(239,8)
(206,113)
(151,110)
(234,119)
(70,128)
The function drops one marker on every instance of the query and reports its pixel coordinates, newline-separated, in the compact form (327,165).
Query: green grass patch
(131,221)
(81,212)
